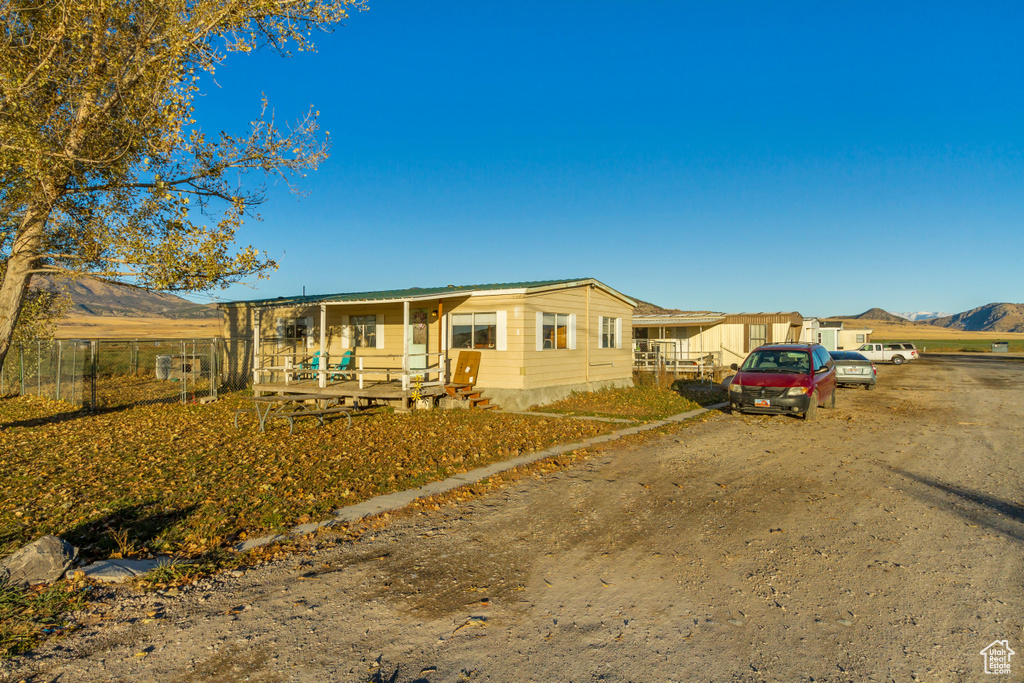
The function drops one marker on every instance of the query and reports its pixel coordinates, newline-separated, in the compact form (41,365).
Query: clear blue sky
(819,157)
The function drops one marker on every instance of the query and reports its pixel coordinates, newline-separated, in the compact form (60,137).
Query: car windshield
(773,360)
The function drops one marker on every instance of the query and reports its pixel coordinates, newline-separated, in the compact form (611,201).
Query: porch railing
(367,367)
(655,355)
(371,364)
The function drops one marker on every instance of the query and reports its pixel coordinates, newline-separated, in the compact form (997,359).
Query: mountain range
(93,297)
(996,317)
(918,316)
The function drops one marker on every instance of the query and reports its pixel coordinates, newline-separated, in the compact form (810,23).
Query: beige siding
(498,369)
(848,339)
(519,366)
(587,362)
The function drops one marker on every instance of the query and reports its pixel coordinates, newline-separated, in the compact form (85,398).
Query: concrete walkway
(400,499)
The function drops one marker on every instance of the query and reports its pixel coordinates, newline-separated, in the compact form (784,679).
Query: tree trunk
(24,254)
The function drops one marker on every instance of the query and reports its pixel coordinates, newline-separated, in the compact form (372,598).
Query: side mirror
(734,367)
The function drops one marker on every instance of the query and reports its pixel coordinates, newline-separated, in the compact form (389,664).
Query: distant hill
(647,308)
(92,297)
(877,314)
(987,318)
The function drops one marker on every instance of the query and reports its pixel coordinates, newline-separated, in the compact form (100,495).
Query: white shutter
(600,331)
(501,343)
(380,330)
(312,334)
(346,333)
(279,327)
(446,335)
(572,330)
(540,331)
(618,333)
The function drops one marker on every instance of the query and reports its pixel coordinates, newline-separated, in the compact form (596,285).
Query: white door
(683,343)
(828,338)
(418,335)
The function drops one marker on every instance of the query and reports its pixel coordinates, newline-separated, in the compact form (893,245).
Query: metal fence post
(94,352)
(21,367)
(60,348)
(213,368)
(184,375)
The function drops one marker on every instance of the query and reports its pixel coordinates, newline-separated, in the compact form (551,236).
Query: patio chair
(308,368)
(344,366)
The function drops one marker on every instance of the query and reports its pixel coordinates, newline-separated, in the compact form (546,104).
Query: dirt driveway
(881,542)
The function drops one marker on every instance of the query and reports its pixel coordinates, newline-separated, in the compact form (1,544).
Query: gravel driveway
(882,541)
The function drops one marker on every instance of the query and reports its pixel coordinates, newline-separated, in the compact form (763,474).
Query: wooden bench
(289,407)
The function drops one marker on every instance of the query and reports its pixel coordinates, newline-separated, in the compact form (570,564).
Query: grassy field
(955,345)
(937,339)
(639,403)
(109,327)
(181,479)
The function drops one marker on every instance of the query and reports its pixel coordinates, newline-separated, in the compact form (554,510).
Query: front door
(828,338)
(418,329)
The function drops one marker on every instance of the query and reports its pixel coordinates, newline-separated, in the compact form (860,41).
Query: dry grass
(182,479)
(899,331)
(109,327)
(636,403)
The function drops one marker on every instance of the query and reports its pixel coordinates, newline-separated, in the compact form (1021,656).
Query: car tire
(897,360)
(869,386)
(812,407)
(832,399)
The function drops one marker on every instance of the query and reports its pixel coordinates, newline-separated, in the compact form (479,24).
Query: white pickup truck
(895,353)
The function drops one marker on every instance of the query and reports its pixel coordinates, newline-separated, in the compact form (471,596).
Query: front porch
(365,378)
(389,351)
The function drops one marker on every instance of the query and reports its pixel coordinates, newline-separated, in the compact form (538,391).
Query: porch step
(481,403)
(466,392)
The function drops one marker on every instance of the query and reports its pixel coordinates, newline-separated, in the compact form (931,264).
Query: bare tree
(102,169)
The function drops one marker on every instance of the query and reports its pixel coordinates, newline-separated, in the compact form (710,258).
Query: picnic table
(290,406)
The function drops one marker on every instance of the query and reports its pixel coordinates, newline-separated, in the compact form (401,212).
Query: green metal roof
(412,292)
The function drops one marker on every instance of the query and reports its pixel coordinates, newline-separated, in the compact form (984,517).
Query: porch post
(404,346)
(405,354)
(323,345)
(442,345)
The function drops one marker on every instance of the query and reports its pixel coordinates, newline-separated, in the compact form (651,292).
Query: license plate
(762,403)
(854,371)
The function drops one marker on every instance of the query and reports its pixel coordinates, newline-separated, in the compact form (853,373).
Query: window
(474,330)
(758,336)
(364,331)
(860,339)
(297,331)
(292,328)
(556,331)
(610,331)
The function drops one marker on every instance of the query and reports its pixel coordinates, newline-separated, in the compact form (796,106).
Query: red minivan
(784,379)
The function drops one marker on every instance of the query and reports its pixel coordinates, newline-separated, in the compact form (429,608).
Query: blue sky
(818,157)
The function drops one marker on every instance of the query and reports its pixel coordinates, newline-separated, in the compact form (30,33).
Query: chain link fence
(97,373)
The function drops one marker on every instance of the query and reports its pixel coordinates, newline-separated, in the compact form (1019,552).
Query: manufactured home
(835,336)
(534,342)
(688,341)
